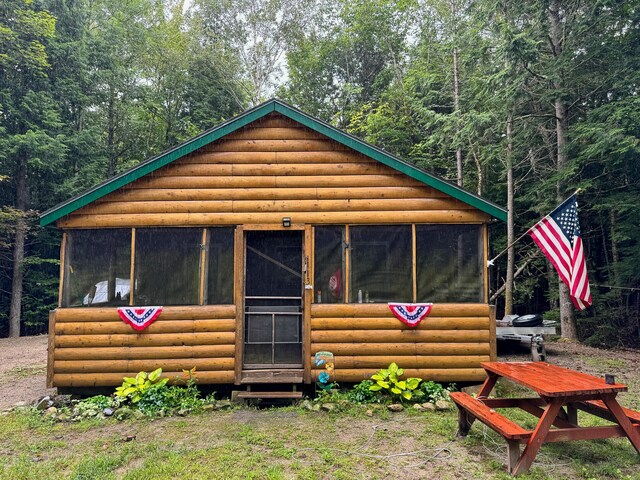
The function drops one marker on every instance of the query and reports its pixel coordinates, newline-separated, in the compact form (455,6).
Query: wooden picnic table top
(550,380)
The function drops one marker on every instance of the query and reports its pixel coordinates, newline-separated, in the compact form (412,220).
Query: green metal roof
(215,133)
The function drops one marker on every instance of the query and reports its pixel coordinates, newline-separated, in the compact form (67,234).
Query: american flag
(558,235)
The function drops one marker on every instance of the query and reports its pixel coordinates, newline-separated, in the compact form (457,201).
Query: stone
(183,412)
(395,407)
(107,412)
(208,407)
(316,408)
(20,404)
(428,407)
(223,404)
(418,407)
(369,413)
(51,411)
(328,407)
(307,405)
(443,405)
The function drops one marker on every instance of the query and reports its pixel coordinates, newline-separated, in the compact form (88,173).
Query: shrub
(362,393)
(134,388)
(388,380)
(434,391)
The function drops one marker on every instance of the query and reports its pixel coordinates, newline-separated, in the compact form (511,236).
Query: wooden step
(272,376)
(249,395)
(489,417)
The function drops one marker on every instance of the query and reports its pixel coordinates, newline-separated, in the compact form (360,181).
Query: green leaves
(134,389)
(388,380)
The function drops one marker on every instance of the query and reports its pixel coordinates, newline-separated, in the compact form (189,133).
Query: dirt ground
(23,370)
(23,366)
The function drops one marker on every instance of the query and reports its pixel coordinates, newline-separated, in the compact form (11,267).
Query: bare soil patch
(23,370)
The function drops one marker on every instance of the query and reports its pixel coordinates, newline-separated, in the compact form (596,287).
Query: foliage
(134,389)
(435,391)
(388,380)
(362,393)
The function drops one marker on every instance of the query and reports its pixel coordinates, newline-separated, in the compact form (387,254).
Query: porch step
(272,376)
(251,395)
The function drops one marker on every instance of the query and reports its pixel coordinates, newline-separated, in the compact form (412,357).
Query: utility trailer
(528,335)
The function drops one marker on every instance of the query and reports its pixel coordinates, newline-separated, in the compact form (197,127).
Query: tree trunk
(508,292)
(567,314)
(111,129)
(456,90)
(22,196)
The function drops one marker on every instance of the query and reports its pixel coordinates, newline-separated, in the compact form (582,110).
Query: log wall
(92,347)
(447,346)
(270,169)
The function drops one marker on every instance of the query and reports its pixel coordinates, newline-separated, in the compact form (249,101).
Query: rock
(129,438)
(316,408)
(328,407)
(107,412)
(418,407)
(51,411)
(307,405)
(61,400)
(223,404)
(208,407)
(428,407)
(183,412)
(369,413)
(395,407)
(20,404)
(443,405)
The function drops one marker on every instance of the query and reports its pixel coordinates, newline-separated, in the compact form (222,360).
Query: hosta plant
(388,380)
(135,388)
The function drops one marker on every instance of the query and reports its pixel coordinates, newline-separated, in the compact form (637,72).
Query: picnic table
(561,393)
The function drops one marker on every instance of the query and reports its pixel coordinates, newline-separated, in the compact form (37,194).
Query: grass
(18,373)
(289,443)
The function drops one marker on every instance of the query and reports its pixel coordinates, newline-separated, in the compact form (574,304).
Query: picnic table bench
(561,393)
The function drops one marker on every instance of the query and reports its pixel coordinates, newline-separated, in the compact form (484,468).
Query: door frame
(240,245)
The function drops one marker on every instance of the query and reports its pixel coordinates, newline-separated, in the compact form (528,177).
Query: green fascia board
(252,115)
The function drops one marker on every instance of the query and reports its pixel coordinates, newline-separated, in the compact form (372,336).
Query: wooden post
(492,333)
(132,272)
(414,261)
(347,262)
(307,252)
(485,266)
(51,346)
(238,291)
(204,254)
(63,248)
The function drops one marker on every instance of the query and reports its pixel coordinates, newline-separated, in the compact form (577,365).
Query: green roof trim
(211,135)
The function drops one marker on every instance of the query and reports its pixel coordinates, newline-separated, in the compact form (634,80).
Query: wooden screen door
(273,299)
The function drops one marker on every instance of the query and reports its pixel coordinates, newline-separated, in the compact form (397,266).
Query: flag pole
(490,262)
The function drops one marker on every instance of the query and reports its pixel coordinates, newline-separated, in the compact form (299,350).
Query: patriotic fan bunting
(410,314)
(139,317)
(558,235)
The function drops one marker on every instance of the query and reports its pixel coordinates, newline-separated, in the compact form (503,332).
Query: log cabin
(267,239)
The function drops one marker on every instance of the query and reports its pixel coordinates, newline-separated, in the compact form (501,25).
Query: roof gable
(246,118)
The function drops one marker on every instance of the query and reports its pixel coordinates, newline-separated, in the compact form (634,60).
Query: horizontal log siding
(448,346)
(92,347)
(271,169)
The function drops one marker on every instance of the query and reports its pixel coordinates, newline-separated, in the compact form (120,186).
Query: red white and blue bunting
(411,314)
(139,317)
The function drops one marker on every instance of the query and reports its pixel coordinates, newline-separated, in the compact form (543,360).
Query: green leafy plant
(134,388)
(362,393)
(434,391)
(388,380)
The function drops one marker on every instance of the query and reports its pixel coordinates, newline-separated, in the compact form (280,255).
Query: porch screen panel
(449,263)
(380,264)
(167,266)
(329,264)
(220,266)
(97,268)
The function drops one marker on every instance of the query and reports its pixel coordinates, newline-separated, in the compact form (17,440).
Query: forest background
(521,102)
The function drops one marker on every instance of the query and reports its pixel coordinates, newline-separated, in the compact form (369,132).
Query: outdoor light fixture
(286,221)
